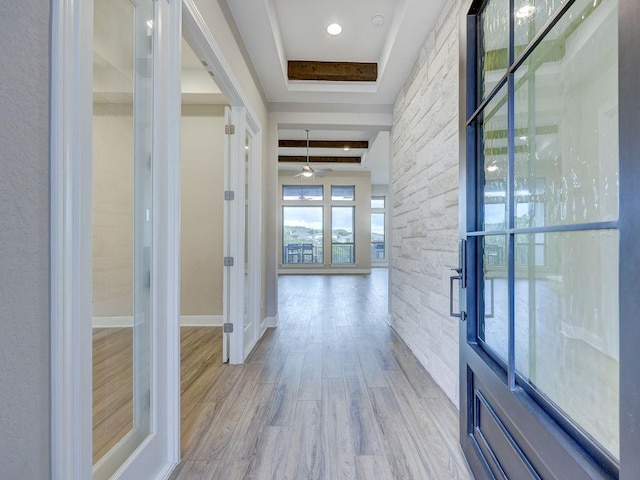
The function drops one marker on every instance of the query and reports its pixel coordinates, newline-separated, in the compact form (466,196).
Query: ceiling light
(378,20)
(526,11)
(334,29)
(307,174)
(346,148)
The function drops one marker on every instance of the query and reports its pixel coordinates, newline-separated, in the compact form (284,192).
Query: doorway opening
(202,237)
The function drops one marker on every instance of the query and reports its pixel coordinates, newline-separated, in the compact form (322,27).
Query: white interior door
(234,242)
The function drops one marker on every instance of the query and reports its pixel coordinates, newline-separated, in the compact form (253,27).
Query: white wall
(202,228)
(425,204)
(24,240)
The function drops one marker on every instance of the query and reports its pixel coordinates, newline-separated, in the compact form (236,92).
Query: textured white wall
(425,203)
(24,240)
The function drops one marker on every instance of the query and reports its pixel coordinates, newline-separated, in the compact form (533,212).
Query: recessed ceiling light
(525,11)
(334,29)
(346,148)
(378,20)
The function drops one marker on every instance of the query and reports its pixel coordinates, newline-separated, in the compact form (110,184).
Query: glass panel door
(541,350)
(250,328)
(122,229)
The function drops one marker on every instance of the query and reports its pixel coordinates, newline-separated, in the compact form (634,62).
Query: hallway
(331,393)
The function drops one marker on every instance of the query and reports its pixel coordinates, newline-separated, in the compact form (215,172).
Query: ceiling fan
(308,171)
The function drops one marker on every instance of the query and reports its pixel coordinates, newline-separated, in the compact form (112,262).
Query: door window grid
(378,229)
(525,238)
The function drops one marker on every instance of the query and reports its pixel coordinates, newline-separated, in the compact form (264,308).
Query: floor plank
(365,432)
(306,457)
(339,459)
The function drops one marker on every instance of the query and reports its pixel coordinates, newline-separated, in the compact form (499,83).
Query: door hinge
(228,261)
(227,327)
(229,129)
(229,195)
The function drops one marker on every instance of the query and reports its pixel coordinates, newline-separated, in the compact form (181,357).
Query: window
(378,219)
(302,234)
(344,193)
(302,192)
(377,237)
(377,202)
(342,235)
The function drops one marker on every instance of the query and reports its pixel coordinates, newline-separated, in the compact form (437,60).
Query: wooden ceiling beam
(332,71)
(324,144)
(317,159)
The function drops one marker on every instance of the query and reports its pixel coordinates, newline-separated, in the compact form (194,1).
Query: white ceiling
(275,31)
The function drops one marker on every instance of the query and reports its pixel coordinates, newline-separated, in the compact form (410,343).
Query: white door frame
(71,251)
(71,254)
(199,37)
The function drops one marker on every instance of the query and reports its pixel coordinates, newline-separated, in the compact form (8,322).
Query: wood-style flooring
(332,393)
(112,387)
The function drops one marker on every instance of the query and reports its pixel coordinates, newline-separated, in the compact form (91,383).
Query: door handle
(461,315)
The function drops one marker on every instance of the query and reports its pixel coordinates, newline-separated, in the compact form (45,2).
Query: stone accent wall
(425,203)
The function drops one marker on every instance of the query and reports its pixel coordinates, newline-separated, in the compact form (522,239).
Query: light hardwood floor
(330,394)
(112,387)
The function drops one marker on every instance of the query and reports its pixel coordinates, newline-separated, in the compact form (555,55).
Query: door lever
(461,315)
(461,277)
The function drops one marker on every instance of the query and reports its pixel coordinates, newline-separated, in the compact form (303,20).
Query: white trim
(201,320)
(323,271)
(71,253)
(71,417)
(112,322)
(270,322)
(200,38)
(185,321)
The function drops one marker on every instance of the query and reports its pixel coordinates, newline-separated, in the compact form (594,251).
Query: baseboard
(112,322)
(185,321)
(201,320)
(324,271)
(270,322)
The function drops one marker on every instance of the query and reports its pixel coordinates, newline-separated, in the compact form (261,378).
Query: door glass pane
(567,327)
(122,230)
(302,235)
(493,42)
(566,106)
(493,138)
(342,235)
(247,283)
(493,325)
(377,237)
(530,17)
